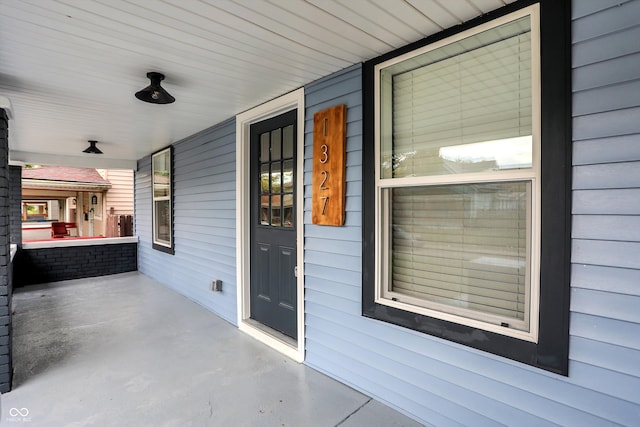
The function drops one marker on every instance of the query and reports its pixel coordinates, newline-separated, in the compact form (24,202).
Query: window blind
(465,111)
(462,246)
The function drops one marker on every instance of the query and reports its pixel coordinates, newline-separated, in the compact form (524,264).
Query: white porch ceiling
(70,68)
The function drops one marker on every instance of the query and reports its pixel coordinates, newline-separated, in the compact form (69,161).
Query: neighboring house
(80,197)
(501,289)
(119,199)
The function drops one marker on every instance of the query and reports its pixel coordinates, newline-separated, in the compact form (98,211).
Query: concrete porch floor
(124,350)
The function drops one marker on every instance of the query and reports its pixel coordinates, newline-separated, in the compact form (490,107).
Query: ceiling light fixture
(92,149)
(154,93)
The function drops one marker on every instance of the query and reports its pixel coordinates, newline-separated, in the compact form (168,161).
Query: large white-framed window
(162,207)
(466,194)
(458,177)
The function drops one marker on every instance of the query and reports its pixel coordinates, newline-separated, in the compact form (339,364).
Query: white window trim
(290,101)
(155,199)
(532,175)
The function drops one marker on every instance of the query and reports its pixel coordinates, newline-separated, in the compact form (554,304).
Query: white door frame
(288,102)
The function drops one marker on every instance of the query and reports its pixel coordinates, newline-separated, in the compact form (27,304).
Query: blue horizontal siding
(204,220)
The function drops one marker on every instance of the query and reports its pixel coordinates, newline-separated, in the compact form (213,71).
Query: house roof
(63,173)
(63,178)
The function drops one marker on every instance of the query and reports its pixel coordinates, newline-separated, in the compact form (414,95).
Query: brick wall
(15,204)
(6,291)
(73,262)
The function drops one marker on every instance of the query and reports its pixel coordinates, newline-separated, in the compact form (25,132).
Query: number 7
(326,201)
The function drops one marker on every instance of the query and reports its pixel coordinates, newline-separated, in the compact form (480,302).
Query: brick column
(6,291)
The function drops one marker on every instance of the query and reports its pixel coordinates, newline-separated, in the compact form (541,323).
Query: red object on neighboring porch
(59,229)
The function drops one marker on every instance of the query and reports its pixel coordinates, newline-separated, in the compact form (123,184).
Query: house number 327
(329,166)
(324,158)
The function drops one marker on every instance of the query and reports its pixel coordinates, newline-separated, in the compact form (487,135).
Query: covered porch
(126,350)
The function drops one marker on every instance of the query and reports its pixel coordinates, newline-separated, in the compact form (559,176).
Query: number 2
(326,177)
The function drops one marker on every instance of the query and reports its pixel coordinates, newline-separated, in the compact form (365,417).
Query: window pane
(287,142)
(264,210)
(276,144)
(276,211)
(465,107)
(264,178)
(276,177)
(162,174)
(287,218)
(163,221)
(462,247)
(287,175)
(264,147)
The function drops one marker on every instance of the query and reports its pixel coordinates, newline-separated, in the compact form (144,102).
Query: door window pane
(287,176)
(276,144)
(276,210)
(287,142)
(276,177)
(264,147)
(264,178)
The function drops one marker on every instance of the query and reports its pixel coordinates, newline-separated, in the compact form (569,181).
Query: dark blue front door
(273,223)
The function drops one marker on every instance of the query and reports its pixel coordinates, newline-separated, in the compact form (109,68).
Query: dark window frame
(163,248)
(551,352)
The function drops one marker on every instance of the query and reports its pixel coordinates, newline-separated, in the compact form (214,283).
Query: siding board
(606,150)
(602,74)
(612,279)
(611,46)
(609,253)
(606,202)
(606,124)
(606,227)
(621,333)
(606,304)
(613,175)
(612,357)
(613,97)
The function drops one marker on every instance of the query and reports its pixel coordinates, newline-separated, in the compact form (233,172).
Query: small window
(465,220)
(162,200)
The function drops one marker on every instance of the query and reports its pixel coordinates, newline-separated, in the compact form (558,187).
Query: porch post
(6,291)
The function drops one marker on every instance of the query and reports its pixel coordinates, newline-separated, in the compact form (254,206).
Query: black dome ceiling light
(92,149)
(154,93)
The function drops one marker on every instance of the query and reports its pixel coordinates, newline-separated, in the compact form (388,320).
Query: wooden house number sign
(329,160)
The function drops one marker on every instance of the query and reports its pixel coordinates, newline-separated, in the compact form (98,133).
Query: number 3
(325,153)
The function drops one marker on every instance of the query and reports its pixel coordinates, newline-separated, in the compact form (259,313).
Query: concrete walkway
(124,350)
